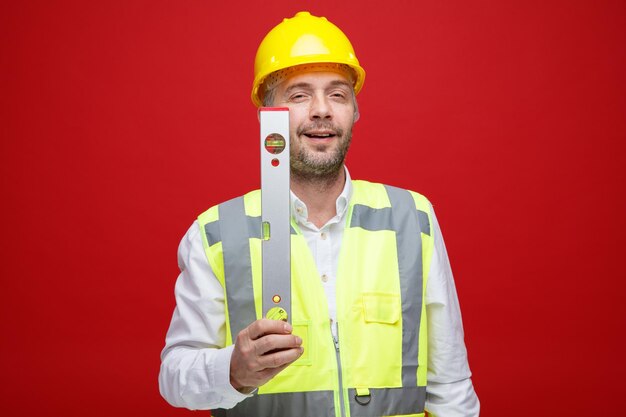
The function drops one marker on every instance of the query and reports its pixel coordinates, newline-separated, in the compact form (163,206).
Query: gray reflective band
(237,265)
(389,402)
(380,219)
(371,219)
(288,404)
(409,244)
(214,235)
(212,232)
(254,227)
(422,218)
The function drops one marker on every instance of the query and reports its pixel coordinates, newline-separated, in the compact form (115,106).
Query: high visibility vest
(378,367)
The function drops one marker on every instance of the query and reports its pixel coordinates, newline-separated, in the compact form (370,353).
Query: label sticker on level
(275,143)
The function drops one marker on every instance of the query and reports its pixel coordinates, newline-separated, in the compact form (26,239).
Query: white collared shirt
(325,243)
(195,369)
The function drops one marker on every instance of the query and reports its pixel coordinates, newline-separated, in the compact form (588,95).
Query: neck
(320,195)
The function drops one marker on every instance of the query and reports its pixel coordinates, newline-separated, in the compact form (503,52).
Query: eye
(298,97)
(339,95)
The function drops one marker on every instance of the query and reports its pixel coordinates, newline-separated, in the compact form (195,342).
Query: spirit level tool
(275,213)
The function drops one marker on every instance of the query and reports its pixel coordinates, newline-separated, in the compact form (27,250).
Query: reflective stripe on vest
(384,402)
(237,266)
(287,404)
(389,402)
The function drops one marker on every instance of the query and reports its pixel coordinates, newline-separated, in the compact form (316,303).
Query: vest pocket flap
(381,308)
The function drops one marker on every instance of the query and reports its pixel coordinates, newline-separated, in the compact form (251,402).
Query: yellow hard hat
(303,39)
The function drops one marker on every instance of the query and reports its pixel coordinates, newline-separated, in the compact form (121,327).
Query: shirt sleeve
(195,365)
(449,392)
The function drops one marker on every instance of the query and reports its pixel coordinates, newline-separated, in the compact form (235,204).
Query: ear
(357,114)
(258,114)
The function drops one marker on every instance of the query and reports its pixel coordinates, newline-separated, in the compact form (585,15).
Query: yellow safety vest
(378,365)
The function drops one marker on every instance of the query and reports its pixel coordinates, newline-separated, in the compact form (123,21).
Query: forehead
(316,79)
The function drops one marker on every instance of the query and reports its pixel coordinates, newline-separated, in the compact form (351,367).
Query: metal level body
(275,212)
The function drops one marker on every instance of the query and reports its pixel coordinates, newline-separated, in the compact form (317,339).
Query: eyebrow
(298,85)
(336,83)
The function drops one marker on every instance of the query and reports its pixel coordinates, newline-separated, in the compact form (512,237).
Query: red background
(123,120)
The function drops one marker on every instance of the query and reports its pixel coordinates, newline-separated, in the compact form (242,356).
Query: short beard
(307,169)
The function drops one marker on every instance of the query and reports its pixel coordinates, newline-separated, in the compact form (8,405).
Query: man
(376,331)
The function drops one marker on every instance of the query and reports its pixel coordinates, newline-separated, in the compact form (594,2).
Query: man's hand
(262,350)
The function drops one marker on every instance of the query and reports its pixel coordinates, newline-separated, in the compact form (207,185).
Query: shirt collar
(299,210)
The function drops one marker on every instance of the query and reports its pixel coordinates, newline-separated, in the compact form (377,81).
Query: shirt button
(325,278)
(299,210)
(323,235)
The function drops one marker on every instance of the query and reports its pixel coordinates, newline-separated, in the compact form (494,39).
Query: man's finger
(272,342)
(263,327)
(280,358)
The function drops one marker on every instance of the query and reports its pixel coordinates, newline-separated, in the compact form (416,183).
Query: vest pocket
(381,308)
(374,341)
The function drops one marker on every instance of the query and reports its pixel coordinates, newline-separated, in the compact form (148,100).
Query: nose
(320,108)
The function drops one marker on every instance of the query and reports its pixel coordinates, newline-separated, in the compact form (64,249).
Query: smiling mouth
(320,135)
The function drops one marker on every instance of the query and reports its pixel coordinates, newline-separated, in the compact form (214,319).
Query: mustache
(319,126)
